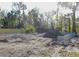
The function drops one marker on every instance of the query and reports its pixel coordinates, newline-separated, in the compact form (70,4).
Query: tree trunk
(73,20)
(57,15)
(69,25)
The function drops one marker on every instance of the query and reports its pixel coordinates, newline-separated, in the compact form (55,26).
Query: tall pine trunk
(73,20)
(57,15)
(69,25)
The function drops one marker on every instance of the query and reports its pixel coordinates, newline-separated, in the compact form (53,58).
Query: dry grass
(5,31)
(69,54)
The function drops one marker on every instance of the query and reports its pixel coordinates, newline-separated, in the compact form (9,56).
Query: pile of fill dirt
(16,37)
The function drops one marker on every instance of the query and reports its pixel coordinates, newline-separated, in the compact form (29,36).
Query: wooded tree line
(17,17)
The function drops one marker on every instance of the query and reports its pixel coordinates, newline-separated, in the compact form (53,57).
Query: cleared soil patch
(35,46)
(25,49)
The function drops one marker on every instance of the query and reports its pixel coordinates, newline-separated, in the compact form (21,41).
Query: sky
(42,6)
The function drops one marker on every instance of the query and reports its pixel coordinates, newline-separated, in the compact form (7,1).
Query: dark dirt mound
(52,33)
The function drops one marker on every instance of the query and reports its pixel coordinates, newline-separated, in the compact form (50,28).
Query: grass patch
(69,54)
(5,31)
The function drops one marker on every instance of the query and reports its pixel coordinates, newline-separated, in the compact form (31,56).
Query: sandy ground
(34,48)
(21,49)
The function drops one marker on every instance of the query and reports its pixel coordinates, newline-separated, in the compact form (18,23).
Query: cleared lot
(35,46)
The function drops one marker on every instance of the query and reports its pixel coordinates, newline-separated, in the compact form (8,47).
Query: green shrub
(30,29)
